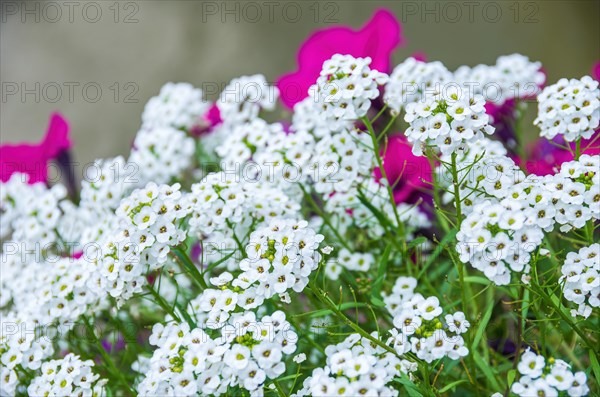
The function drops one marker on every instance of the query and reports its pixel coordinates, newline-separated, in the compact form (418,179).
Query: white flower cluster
(355,367)
(412,81)
(161,153)
(265,152)
(346,87)
(108,181)
(513,76)
(419,328)
(244,97)
(548,378)
(223,209)
(499,237)
(570,108)
(341,162)
(47,292)
(580,275)
(348,211)
(485,177)
(30,212)
(149,226)
(575,192)
(178,105)
(308,117)
(279,257)
(247,353)
(69,376)
(447,121)
(20,347)
(507,213)
(354,261)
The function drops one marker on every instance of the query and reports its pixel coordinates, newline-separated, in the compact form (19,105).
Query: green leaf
(510,376)
(418,241)
(410,387)
(217,263)
(452,385)
(436,252)
(595,365)
(377,302)
(381,271)
(482,325)
(486,369)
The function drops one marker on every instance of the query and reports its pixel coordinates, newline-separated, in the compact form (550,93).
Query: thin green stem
(112,368)
(369,126)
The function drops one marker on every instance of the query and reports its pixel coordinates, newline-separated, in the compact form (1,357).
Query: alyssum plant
(331,255)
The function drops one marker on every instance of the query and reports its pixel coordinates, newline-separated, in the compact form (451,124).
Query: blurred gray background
(129,49)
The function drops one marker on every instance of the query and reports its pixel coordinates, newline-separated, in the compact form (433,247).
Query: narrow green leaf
(417,241)
(486,369)
(452,385)
(482,325)
(510,376)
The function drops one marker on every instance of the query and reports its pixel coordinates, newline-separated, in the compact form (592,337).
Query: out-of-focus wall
(58,55)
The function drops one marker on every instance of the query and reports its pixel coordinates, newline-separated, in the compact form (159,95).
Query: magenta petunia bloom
(408,174)
(32,159)
(208,121)
(544,158)
(377,39)
(596,71)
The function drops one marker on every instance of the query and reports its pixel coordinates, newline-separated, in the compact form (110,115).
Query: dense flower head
(412,80)
(69,376)
(419,327)
(244,97)
(308,116)
(245,353)
(224,207)
(570,108)
(161,153)
(547,377)
(264,152)
(513,76)
(278,257)
(346,87)
(498,238)
(580,274)
(148,226)
(355,366)
(31,213)
(178,105)
(446,121)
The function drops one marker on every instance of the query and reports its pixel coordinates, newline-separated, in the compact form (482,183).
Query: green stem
(190,266)
(338,313)
(577,149)
(456,183)
(369,126)
(325,218)
(112,368)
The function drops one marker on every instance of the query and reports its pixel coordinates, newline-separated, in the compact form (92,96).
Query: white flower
(457,323)
(299,358)
(569,108)
(178,105)
(346,86)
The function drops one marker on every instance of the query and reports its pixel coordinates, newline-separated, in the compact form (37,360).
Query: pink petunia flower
(544,158)
(32,159)
(208,121)
(377,39)
(596,71)
(408,174)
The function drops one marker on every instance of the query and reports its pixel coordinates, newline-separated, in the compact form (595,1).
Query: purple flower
(408,174)
(32,159)
(377,39)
